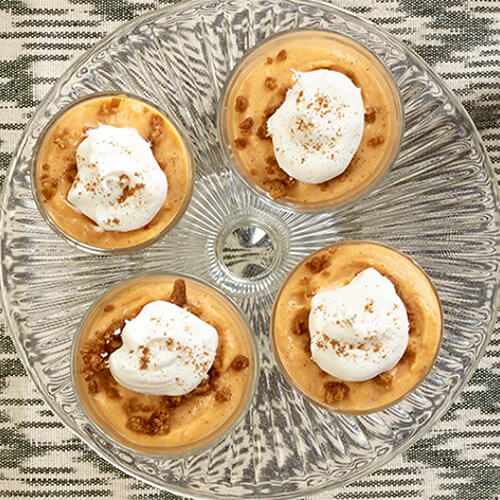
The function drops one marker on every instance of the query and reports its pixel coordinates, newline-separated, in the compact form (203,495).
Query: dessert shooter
(111,172)
(164,364)
(356,326)
(311,119)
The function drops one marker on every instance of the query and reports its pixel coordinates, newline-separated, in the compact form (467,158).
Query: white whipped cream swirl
(318,128)
(166,351)
(119,185)
(360,330)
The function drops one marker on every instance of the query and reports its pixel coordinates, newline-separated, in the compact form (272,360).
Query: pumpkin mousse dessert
(164,364)
(112,172)
(311,118)
(356,326)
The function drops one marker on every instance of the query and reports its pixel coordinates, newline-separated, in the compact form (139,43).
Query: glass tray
(438,204)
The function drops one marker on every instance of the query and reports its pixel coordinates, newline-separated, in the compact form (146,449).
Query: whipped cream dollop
(166,351)
(119,185)
(319,126)
(360,330)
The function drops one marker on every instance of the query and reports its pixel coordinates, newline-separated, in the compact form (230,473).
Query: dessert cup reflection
(311,119)
(356,326)
(112,173)
(164,364)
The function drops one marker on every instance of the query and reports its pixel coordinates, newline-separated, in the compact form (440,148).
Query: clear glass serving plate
(438,204)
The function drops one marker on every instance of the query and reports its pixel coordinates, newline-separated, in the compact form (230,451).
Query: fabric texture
(458,459)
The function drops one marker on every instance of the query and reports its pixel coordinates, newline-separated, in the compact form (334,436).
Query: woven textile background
(39,458)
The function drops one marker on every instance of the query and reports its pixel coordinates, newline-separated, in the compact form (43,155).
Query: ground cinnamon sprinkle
(144,359)
(128,191)
(335,392)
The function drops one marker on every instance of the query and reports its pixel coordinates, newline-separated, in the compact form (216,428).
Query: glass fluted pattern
(438,204)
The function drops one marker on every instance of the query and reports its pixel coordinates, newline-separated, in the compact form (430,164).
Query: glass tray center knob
(248,249)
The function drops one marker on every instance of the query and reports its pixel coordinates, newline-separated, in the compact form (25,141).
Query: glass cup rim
(322,404)
(209,443)
(122,250)
(324,207)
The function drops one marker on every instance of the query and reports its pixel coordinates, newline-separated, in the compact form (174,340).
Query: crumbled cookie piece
(409,356)
(385,379)
(300,324)
(262,132)
(276,188)
(197,311)
(318,263)
(370,115)
(156,424)
(271,161)
(178,295)
(60,142)
(335,392)
(241,104)
(240,143)
(271,83)
(223,395)
(239,362)
(156,126)
(282,55)
(49,186)
(110,107)
(246,124)
(376,141)
(71,172)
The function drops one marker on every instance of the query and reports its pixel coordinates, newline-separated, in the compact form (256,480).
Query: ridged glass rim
(302,392)
(206,442)
(173,10)
(326,205)
(122,250)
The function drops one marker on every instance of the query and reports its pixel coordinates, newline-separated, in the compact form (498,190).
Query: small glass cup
(362,245)
(194,286)
(179,130)
(310,38)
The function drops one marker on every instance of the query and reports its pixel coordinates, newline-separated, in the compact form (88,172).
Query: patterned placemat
(458,459)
